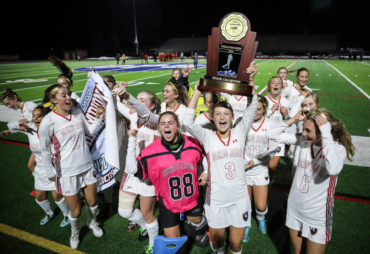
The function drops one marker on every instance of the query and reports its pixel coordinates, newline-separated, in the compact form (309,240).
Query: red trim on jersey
(237,98)
(209,185)
(330,206)
(57,157)
(38,133)
(211,120)
(313,156)
(268,96)
(259,126)
(228,142)
(175,109)
(70,115)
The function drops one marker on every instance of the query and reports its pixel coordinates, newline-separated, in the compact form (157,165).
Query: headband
(319,112)
(63,76)
(54,91)
(263,102)
(174,87)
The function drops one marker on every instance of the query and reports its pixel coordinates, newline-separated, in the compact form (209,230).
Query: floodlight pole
(136,42)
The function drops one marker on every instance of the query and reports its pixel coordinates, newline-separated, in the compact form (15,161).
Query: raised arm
(243,127)
(131,160)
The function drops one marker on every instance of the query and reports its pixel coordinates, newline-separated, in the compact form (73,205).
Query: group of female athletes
(226,146)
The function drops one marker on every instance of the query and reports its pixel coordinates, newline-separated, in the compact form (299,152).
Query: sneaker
(143,234)
(74,240)
(33,193)
(131,226)
(94,226)
(246,234)
(46,219)
(148,250)
(64,222)
(262,226)
(108,210)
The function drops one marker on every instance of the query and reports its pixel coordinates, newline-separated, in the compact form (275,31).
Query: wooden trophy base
(230,87)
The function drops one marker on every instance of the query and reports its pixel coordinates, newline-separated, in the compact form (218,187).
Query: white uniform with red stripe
(256,145)
(238,103)
(41,180)
(72,156)
(205,121)
(27,110)
(145,136)
(277,117)
(311,197)
(292,93)
(227,199)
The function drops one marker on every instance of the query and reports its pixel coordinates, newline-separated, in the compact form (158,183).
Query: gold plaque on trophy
(234,27)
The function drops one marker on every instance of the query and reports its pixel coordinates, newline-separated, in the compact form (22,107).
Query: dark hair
(10,95)
(44,111)
(110,78)
(223,104)
(181,91)
(48,91)
(302,69)
(176,119)
(154,100)
(63,68)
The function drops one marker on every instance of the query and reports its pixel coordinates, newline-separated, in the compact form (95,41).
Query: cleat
(148,250)
(33,193)
(143,234)
(94,226)
(64,222)
(108,210)
(262,226)
(46,219)
(131,226)
(74,241)
(246,234)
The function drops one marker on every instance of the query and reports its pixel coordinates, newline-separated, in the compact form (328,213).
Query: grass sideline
(351,229)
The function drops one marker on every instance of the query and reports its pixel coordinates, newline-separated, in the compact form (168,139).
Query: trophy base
(225,87)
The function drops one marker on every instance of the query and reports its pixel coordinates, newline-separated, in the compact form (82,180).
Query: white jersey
(205,121)
(277,117)
(311,197)
(258,145)
(75,96)
(227,184)
(27,110)
(145,136)
(292,93)
(68,134)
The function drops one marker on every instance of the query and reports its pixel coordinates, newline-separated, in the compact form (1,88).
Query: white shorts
(236,215)
(42,181)
(315,234)
(261,179)
(131,183)
(70,185)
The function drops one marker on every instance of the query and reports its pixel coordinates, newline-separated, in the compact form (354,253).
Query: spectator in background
(79,58)
(196,57)
(155,57)
(182,56)
(146,58)
(354,56)
(142,58)
(168,56)
(361,55)
(123,59)
(117,58)
(350,56)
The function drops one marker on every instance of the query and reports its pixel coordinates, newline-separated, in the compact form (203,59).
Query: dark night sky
(32,26)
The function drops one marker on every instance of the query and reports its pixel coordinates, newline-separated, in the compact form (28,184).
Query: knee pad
(197,232)
(125,213)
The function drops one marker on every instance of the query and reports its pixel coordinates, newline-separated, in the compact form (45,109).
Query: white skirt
(42,182)
(131,183)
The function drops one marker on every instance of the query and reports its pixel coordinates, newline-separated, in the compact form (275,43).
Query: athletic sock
(91,213)
(108,194)
(138,218)
(62,204)
(221,250)
(229,251)
(45,205)
(75,223)
(261,215)
(152,229)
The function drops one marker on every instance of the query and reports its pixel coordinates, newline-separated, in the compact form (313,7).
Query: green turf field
(338,85)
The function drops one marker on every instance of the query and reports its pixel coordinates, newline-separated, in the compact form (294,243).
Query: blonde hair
(10,95)
(314,97)
(181,91)
(263,101)
(338,130)
(270,82)
(154,100)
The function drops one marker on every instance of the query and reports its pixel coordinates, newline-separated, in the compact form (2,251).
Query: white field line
(263,90)
(29,75)
(36,79)
(348,80)
(43,98)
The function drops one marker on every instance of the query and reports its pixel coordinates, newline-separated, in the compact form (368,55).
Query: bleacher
(186,45)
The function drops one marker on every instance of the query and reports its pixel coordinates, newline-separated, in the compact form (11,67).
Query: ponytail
(10,95)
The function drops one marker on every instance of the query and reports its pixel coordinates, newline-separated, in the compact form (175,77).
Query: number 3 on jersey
(175,186)
(305,184)
(231,170)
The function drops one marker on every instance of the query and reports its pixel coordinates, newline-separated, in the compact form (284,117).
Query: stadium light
(136,42)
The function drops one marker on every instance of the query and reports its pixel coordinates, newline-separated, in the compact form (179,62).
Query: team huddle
(200,157)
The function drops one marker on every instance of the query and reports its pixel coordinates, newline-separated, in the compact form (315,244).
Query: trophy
(231,48)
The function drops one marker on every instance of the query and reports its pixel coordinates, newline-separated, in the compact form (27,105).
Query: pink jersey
(173,175)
